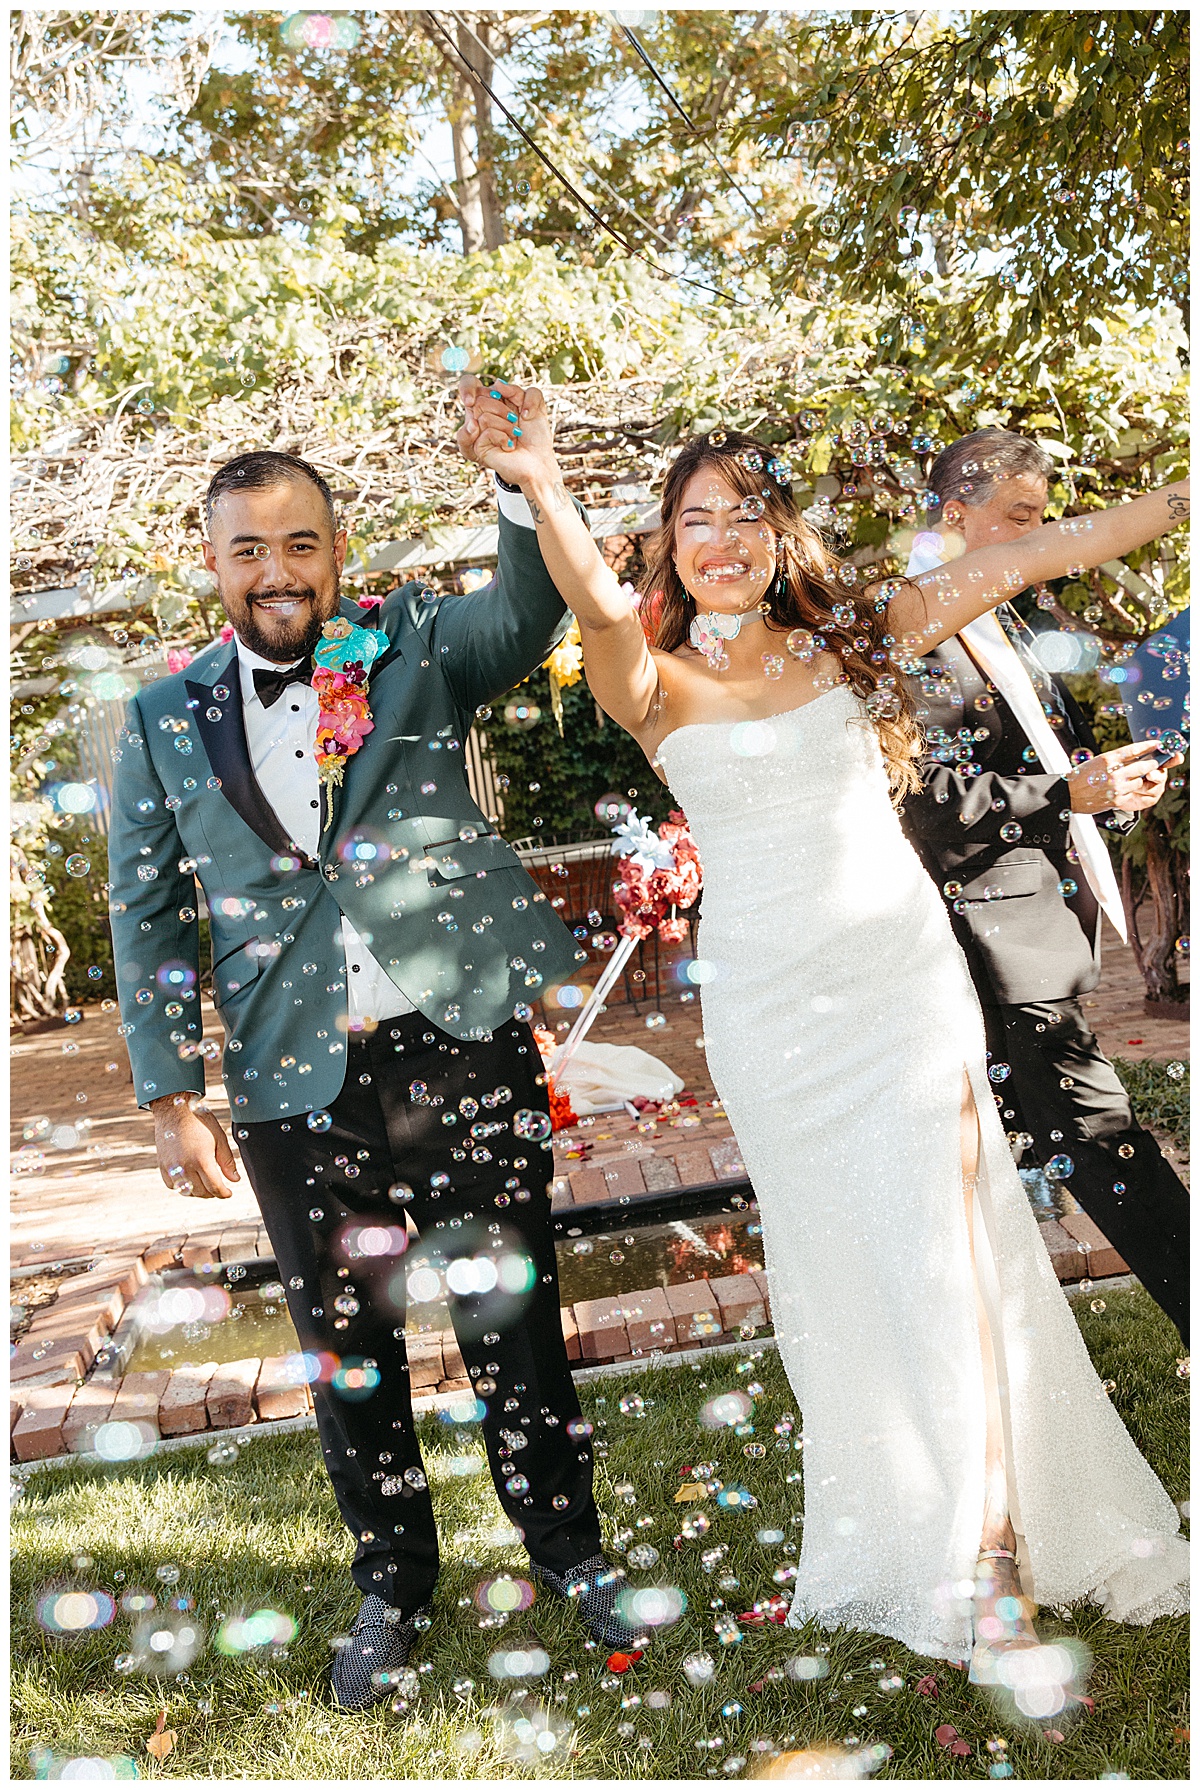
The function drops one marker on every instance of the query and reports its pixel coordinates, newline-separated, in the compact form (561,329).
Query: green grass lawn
(263,1531)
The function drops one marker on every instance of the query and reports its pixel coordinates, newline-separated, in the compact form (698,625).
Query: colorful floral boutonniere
(342,659)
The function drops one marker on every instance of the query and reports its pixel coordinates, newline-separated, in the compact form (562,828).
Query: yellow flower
(565,663)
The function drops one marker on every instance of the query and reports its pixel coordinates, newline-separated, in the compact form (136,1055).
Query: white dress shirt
(281,741)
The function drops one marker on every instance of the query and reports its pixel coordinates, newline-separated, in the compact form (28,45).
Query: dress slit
(987,1291)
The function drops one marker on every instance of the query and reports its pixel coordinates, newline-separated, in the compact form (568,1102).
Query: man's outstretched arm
(498,635)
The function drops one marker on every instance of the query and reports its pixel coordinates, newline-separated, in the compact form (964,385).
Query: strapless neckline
(755,720)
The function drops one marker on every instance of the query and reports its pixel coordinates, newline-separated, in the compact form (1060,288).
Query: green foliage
(80,908)
(1161,1101)
(572,772)
(1053,143)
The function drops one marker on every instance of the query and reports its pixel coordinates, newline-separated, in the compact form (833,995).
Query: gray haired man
(1007,826)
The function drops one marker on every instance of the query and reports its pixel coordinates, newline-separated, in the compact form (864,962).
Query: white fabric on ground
(599,1076)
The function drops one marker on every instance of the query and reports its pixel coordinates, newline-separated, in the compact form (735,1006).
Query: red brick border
(53,1410)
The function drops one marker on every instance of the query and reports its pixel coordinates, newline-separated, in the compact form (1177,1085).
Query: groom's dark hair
(257,472)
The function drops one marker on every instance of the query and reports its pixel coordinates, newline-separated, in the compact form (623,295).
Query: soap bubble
(124,1441)
(651,1606)
(519,1662)
(699,1668)
(533,1126)
(522,715)
(752,739)
(319,1121)
(503,1594)
(72,1612)
(1059,1168)
(455,360)
(802,1668)
(247,1634)
(166,1642)
(319,31)
(727,1409)
(611,809)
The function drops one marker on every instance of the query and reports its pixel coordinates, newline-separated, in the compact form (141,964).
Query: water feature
(234,1310)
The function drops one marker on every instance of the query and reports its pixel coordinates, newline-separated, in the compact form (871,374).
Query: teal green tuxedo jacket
(440,898)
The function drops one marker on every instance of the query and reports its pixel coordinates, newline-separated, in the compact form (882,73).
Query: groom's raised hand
(487,408)
(469,390)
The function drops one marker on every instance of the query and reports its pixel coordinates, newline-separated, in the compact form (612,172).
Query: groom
(375,950)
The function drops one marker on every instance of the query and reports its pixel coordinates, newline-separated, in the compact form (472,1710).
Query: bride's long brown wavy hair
(805,593)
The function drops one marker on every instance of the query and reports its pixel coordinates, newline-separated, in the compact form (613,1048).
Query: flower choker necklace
(710,630)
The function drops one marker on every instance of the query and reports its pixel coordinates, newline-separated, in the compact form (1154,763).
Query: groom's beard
(274,639)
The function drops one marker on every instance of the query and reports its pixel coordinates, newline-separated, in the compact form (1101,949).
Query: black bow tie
(269,686)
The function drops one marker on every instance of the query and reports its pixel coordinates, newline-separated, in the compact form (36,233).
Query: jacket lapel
(222,730)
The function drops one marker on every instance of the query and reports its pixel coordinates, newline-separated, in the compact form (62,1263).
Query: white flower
(636,839)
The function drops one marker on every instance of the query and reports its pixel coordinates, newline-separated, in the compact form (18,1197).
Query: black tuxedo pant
(1120,1177)
(335,1190)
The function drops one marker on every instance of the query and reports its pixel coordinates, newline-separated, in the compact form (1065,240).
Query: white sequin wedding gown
(838,1019)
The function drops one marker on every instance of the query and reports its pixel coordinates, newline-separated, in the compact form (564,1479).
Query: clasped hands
(507,429)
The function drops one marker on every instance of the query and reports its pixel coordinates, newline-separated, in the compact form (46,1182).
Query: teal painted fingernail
(516,431)
(493,394)
(512,416)
(509,444)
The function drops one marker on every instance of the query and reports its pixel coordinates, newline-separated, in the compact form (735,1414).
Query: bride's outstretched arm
(949,597)
(510,433)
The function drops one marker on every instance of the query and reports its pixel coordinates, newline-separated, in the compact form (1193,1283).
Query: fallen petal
(621,1662)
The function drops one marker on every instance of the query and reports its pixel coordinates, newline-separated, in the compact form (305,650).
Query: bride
(962,1460)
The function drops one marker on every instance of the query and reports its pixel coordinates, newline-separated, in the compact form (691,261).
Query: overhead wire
(585,203)
(596,176)
(694,128)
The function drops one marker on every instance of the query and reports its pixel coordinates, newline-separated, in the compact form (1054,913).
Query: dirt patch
(34,1293)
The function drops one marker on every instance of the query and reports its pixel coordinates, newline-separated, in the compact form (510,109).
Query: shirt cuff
(513,503)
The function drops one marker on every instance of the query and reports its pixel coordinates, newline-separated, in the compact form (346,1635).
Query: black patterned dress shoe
(378,1645)
(593,1588)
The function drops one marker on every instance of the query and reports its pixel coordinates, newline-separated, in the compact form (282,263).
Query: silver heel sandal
(986,1652)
